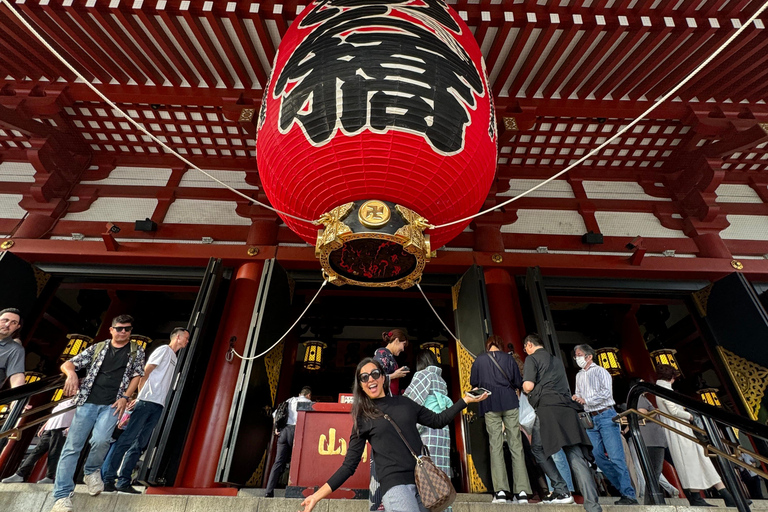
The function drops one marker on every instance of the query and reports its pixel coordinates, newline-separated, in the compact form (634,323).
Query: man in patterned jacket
(114,368)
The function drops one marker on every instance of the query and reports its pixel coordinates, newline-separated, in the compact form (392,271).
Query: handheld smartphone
(478,391)
(405,368)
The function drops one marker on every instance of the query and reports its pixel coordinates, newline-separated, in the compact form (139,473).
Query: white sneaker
(521,498)
(94,483)
(501,497)
(13,479)
(62,505)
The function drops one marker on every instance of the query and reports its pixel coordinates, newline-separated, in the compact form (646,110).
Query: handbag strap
(402,436)
(500,368)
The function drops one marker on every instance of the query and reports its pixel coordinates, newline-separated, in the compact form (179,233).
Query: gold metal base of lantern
(373,243)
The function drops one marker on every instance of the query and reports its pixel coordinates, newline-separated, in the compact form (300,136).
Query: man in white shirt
(52,436)
(594,390)
(153,390)
(285,440)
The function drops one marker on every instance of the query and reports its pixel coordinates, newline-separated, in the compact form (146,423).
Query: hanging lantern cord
(232,352)
(418,285)
(618,134)
(135,123)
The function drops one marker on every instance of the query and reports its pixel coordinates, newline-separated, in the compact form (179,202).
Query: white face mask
(581,361)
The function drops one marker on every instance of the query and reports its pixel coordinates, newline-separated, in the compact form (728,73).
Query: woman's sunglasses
(375,375)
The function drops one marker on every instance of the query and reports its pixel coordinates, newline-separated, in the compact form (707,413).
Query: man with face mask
(594,390)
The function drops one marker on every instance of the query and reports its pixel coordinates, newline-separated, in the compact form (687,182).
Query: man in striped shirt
(594,390)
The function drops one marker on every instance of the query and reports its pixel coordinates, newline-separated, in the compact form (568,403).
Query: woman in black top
(394,463)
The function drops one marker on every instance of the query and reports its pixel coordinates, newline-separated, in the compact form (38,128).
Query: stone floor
(37,498)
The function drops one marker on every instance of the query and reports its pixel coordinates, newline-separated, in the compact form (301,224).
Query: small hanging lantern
(709,396)
(313,354)
(30,377)
(142,341)
(665,356)
(434,347)
(77,343)
(608,358)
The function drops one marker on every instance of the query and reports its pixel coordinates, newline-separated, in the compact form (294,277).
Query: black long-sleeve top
(394,463)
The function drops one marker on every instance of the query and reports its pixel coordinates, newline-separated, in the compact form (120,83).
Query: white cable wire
(233,351)
(138,125)
(441,321)
(623,130)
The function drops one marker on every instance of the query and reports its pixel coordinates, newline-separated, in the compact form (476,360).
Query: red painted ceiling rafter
(516,49)
(161,39)
(134,28)
(180,35)
(612,68)
(671,55)
(747,86)
(63,44)
(63,17)
(602,49)
(566,37)
(579,49)
(43,60)
(214,20)
(498,42)
(621,82)
(124,51)
(238,25)
(201,35)
(533,57)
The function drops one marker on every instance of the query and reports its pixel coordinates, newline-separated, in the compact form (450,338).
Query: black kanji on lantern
(380,65)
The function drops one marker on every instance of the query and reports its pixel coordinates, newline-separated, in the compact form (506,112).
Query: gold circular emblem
(497,258)
(252,251)
(7,245)
(737,264)
(374,214)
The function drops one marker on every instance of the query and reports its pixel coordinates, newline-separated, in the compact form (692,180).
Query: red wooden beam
(590,33)
(161,38)
(17,37)
(238,24)
(517,46)
(600,50)
(533,57)
(569,32)
(180,35)
(78,34)
(214,20)
(195,25)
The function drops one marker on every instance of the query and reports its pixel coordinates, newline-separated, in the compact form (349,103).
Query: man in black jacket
(557,424)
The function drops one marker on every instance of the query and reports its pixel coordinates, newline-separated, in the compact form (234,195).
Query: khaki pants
(493,424)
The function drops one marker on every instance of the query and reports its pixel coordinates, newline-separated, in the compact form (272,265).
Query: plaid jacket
(424,383)
(134,368)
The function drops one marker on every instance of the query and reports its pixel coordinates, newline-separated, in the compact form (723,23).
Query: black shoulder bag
(501,369)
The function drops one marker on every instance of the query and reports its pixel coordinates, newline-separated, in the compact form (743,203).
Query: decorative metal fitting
(252,251)
(366,244)
(497,258)
(737,264)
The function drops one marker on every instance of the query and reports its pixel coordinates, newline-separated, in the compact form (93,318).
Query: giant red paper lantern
(381,100)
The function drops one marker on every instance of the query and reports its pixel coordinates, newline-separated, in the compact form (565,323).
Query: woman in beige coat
(693,467)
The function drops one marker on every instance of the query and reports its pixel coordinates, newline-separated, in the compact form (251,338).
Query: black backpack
(281,415)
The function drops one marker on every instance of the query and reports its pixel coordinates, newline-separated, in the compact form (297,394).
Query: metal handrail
(19,397)
(710,414)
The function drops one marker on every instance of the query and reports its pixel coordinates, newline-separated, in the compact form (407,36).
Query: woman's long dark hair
(424,359)
(362,406)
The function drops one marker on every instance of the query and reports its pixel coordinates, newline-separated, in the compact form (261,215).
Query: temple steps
(37,498)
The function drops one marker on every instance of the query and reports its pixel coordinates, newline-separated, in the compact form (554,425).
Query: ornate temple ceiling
(565,74)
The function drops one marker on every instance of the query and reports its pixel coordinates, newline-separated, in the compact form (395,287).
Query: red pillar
(201,453)
(637,360)
(504,304)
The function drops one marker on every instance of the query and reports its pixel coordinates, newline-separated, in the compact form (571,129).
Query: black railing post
(652,492)
(726,467)
(13,417)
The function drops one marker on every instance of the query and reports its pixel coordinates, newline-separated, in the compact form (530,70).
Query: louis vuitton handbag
(434,486)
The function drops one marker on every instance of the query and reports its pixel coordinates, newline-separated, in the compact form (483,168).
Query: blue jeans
(606,437)
(128,447)
(97,420)
(403,498)
(561,461)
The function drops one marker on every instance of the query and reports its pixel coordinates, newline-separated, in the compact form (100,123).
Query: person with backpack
(498,372)
(428,388)
(147,408)
(113,369)
(285,427)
